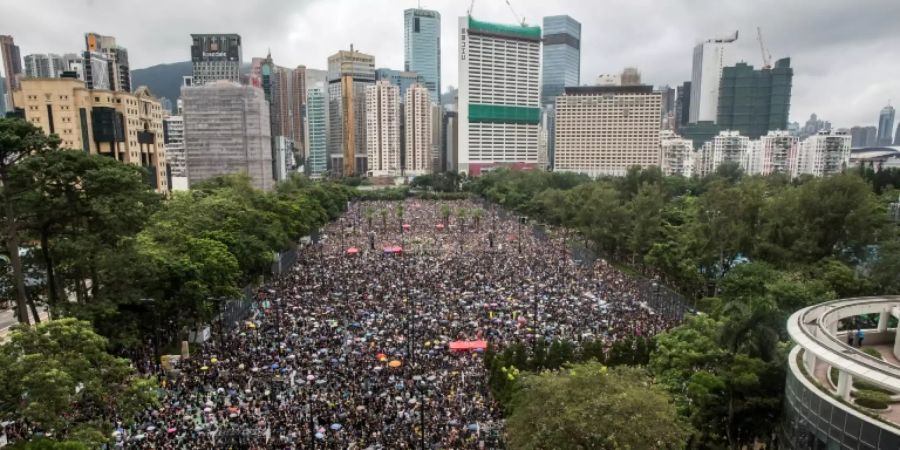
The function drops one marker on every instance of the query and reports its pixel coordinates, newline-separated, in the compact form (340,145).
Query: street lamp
(422,387)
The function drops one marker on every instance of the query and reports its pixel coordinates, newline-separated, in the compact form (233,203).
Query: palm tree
(400,216)
(445,215)
(370,214)
(461,217)
(476,215)
(384,214)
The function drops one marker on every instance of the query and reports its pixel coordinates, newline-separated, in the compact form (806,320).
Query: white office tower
(44,65)
(825,153)
(176,159)
(499,95)
(727,147)
(779,152)
(752,163)
(677,154)
(710,57)
(605,130)
(419,130)
(383,129)
(316,129)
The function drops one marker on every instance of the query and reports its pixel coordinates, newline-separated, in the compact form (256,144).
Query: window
(416,25)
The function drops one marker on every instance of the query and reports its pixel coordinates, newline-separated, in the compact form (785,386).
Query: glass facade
(422,48)
(315,118)
(755,102)
(561,56)
(814,420)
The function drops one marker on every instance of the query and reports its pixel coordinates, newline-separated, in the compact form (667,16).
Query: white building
(709,58)
(605,130)
(677,154)
(752,163)
(44,65)
(173,136)
(383,129)
(419,130)
(825,153)
(499,95)
(779,152)
(727,147)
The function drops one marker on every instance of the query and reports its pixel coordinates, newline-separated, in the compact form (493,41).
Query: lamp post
(422,387)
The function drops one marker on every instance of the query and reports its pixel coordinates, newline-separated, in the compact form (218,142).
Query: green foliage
(591,406)
(59,377)
(872,399)
(872,352)
(47,444)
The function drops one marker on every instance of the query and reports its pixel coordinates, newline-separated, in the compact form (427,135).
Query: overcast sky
(845,53)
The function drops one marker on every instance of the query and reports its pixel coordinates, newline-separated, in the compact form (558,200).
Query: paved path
(8,319)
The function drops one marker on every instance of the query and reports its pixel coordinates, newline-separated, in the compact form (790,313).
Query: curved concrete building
(828,368)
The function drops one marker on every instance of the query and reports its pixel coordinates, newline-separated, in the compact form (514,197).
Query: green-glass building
(755,102)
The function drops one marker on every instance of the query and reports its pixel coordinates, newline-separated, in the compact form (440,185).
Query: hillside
(164,80)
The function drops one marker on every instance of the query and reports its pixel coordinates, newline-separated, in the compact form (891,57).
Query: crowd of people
(350,348)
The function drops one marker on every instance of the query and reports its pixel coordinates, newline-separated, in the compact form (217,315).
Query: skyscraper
(561,57)
(316,132)
(44,65)
(215,57)
(418,131)
(755,102)
(227,130)
(349,73)
(886,125)
(12,68)
(422,48)
(863,136)
(710,57)
(605,130)
(683,105)
(106,64)
(499,95)
(383,129)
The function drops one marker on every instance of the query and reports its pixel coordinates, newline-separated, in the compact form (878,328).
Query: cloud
(843,53)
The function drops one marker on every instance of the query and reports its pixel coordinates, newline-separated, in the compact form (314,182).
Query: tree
(591,406)
(18,139)
(59,377)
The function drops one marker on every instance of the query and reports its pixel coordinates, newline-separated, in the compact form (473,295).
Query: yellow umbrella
(204,368)
(213,360)
(394,364)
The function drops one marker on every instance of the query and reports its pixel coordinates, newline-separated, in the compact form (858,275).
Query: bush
(864,386)
(872,352)
(872,399)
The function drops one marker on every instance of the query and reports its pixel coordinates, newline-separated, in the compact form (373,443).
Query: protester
(349,350)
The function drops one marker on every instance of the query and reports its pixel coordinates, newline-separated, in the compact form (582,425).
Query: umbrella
(395,364)
(320,435)
(204,368)
(381,356)
(336,426)
(310,377)
(213,360)
(171,430)
(352,251)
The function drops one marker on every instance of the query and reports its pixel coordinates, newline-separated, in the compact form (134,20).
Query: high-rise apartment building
(422,48)
(605,130)
(316,130)
(74,63)
(419,130)
(561,57)
(383,129)
(863,136)
(12,68)
(227,130)
(349,73)
(47,65)
(215,57)
(2,97)
(897,135)
(437,135)
(886,125)
(106,64)
(779,152)
(499,95)
(403,80)
(121,125)
(710,57)
(726,147)
(825,153)
(677,154)
(755,102)
(667,113)
(173,136)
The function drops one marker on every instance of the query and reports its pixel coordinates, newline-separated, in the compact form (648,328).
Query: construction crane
(766,56)
(471,7)
(519,19)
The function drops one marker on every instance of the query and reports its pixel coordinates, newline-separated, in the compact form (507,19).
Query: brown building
(121,125)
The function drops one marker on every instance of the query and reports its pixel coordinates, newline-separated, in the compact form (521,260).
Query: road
(8,319)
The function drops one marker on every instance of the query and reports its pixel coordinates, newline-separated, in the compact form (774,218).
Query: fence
(236,310)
